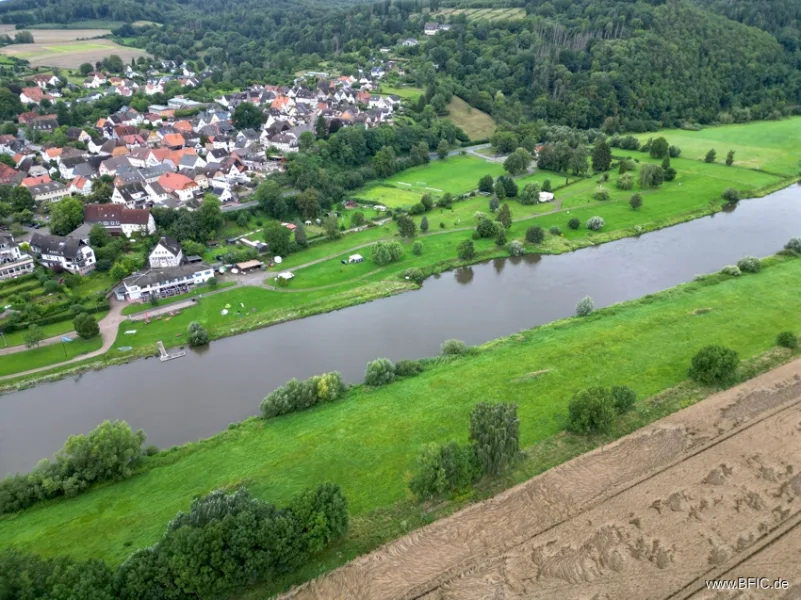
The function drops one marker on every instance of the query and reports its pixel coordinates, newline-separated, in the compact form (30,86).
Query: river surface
(198,395)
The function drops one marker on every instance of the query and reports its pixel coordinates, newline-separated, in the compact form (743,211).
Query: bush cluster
(595,223)
(111,451)
(379,372)
(793,244)
(408,368)
(225,542)
(585,307)
(299,395)
(442,468)
(731,270)
(787,339)
(714,365)
(594,410)
(383,253)
(749,264)
(453,348)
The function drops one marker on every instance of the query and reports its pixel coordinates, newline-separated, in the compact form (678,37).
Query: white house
(52,191)
(163,283)
(66,253)
(119,220)
(167,253)
(13,261)
(80,186)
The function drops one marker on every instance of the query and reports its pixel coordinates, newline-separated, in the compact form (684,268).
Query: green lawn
(768,145)
(46,355)
(196,291)
(457,175)
(17,338)
(409,93)
(367,442)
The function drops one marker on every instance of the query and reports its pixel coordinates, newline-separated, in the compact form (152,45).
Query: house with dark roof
(167,253)
(63,253)
(53,191)
(118,219)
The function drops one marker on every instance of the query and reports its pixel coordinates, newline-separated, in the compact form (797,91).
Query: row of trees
(223,543)
(110,452)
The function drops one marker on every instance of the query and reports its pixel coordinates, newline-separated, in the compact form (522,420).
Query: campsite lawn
(768,145)
(368,441)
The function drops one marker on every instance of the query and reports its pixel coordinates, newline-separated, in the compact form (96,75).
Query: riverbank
(339,286)
(367,442)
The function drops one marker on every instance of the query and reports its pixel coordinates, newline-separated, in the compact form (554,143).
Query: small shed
(249,265)
(355,258)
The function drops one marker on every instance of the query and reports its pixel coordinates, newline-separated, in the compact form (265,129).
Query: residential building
(180,185)
(63,253)
(167,253)
(164,282)
(33,95)
(52,191)
(13,261)
(118,219)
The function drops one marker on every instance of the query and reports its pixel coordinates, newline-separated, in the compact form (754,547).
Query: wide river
(198,395)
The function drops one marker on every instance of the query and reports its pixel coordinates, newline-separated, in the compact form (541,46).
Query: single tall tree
(495,434)
(601,156)
(505,216)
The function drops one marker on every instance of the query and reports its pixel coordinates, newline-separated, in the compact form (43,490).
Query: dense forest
(620,65)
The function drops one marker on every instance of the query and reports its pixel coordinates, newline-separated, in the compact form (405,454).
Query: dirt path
(713,491)
(108,333)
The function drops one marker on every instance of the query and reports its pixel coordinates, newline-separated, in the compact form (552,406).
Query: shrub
(86,326)
(379,372)
(714,365)
(591,411)
(601,193)
(674,151)
(383,253)
(546,186)
(595,223)
(626,166)
(415,275)
(574,223)
(500,237)
(731,195)
(635,201)
(417,248)
(793,244)
(495,433)
(749,264)
(710,156)
(408,368)
(299,395)
(535,234)
(516,248)
(555,230)
(486,229)
(453,348)
(585,307)
(625,181)
(731,270)
(787,339)
(212,283)
(196,334)
(623,398)
(442,469)
(466,250)
(670,174)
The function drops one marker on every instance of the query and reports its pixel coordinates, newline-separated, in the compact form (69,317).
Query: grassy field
(17,338)
(408,93)
(367,442)
(768,145)
(199,290)
(69,48)
(476,124)
(457,175)
(46,355)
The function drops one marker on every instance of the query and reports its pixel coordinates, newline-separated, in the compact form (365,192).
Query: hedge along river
(198,395)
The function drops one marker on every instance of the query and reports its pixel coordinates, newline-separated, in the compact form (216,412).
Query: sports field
(767,145)
(456,174)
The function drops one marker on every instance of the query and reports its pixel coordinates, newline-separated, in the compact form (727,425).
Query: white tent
(546,196)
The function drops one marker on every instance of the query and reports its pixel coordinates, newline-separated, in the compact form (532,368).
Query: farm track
(710,492)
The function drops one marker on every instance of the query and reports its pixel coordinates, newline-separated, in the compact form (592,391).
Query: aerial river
(198,395)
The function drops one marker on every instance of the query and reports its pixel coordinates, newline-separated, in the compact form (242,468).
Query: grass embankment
(199,290)
(368,442)
(476,124)
(47,355)
(771,146)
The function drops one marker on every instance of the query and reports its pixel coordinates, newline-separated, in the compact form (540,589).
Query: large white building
(13,261)
(66,253)
(163,283)
(166,254)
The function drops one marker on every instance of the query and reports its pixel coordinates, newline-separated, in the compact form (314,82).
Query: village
(157,159)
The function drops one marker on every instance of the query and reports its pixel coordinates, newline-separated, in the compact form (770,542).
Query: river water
(198,395)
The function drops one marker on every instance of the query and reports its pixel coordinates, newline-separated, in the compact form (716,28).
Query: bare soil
(711,492)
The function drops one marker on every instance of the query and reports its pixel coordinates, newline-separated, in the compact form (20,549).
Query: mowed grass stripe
(368,442)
